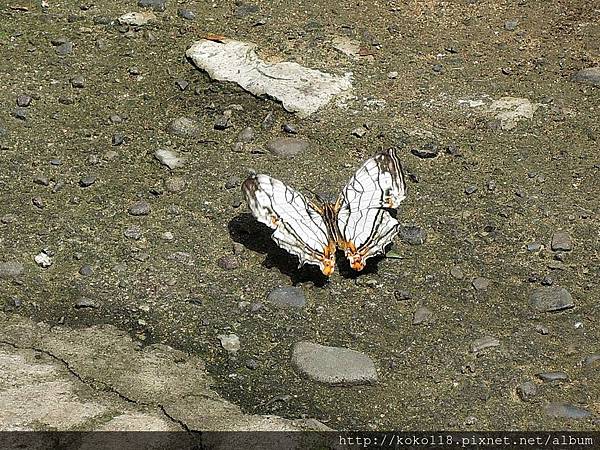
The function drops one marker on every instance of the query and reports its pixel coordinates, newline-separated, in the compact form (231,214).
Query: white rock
(347,46)
(137,18)
(510,110)
(169,158)
(230,342)
(42,259)
(299,89)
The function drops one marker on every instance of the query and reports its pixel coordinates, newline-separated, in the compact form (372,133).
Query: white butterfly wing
(299,228)
(364,220)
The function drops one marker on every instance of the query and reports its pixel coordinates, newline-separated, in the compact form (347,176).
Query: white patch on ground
(510,110)
(347,46)
(169,158)
(299,89)
(137,19)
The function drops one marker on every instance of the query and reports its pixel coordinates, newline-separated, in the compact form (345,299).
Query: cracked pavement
(99,379)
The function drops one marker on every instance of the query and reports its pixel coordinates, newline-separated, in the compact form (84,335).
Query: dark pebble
(412,235)
(549,377)
(287,297)
(66,100)
(252,364)
(141,208)
(551,298)
(87,181)
(547,281)
(78,82)
(429,150)
(289,128)
(86,271)
(527,391)
(402,295)
(118,139)
(228,262)
(23,100)
(453,150)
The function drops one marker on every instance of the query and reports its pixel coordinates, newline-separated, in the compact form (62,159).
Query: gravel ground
(492,287)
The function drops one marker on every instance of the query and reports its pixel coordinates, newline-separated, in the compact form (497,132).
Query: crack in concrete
(92,382)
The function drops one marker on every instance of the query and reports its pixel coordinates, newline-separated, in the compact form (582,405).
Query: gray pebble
(230,342)
(589,75)
(542,329)
(85,302)
(481,283)
(23,100)
(134,71)
(140,208)
(359,132)
(184,126)
(483,343)
(252,364)
(55,162)
(232,182)
(175,184)
(287,297)
(566,411)
(412,234)
(438,68)
(422,315)
(228,262)
(115,118)
(20,113)
(133,232)
(41,180)
(549,377)
(78,82)
(527,391)
(510,25)
(66,100)
(9,269)
(182,84)
(453,150)
(561,241)
(470,190)
(38,202)
(86,271)
(118,138)
(591,359)
(287,147)
(289,129)
(534,247)
(457,273)
(65,48)
(87,181)
(245,9)
(547,281)
(187,14)
(246,135)
(156,5)
(402,295)
(429,150)
(551,298)
(333,365)
(222,122)
(268,121)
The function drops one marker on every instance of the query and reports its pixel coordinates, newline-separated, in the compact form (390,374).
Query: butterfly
(359,223)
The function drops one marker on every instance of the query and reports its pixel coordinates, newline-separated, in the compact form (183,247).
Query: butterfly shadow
(246,230)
